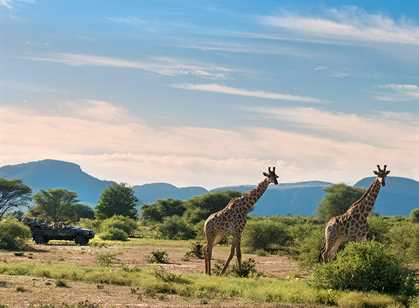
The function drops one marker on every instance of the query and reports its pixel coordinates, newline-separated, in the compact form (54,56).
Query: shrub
(414,215)
(159,256)
(13,234)
(126,224)
(404,240)
(365,266)
(378,228)
(176,228)
(166,276)
(196,251)
(106,259)
(308,248)
(247,270)
(92,224)
(114,234)
(266,235)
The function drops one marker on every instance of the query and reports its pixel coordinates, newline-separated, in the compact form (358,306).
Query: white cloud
(398,92)
(109,142)
(349,24)
(320,68)
(158,65)
(9,4)
(218,88)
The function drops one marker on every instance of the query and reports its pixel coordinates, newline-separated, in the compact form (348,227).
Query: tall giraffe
(352,225)
(232,219)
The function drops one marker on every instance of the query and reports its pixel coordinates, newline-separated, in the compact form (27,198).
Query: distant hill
(289,198)
(49,173)
(398,197)
(149,193)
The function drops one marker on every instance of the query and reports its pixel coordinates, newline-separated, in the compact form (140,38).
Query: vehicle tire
(81,240)
(40,239)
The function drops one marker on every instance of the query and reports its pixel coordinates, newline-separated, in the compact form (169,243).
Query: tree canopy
(117,199)
(337,200)
(59,206)
(14,194)
(161,209)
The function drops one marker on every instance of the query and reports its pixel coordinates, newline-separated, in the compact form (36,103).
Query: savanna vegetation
(377,273)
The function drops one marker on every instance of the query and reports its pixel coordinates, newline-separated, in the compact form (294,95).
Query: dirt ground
(21,291)
(135,253)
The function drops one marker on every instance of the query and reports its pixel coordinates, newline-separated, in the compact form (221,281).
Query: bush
(247,270)
(106,259)
(92,224)
(378,228)
(159,256)
(414,215)
(114,234)
(308,248)
(196,251)
(266,235)
(126,224)
(404,240)
(365,266)
(176,228)
(13,234)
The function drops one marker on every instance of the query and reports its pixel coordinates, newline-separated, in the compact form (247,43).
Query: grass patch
(263,290)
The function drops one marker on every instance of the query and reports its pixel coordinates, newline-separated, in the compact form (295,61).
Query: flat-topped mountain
(398,197)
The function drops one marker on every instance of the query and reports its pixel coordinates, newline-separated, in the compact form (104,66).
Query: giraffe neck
(254,195)
(367,201)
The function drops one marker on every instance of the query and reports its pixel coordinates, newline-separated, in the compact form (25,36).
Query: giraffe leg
(233,249)
(239,255)
(208,257)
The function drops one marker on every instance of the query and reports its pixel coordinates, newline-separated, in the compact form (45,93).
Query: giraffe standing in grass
(352,225)
(232,219)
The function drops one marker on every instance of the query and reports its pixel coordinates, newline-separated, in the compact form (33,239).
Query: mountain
(289,198)
(49,173)
(149,193)
(398,197)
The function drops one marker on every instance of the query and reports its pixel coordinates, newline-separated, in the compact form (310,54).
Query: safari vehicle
(42,233)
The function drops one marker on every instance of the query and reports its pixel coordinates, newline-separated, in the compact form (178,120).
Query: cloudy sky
(211,92)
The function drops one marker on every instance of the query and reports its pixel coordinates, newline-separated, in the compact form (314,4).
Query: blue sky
(211,92)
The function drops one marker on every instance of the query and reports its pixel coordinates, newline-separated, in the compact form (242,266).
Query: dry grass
(132,281)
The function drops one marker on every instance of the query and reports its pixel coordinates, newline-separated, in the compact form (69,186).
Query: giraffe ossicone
(352,225)
(232,219)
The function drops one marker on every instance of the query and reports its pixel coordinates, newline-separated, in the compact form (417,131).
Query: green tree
(59,205)
(337,200)
(118,199)
(200,207)
(175,227)
(161,209)
(13,195)
(414,215)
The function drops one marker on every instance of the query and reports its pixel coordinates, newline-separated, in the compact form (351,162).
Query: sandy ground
(136,254)
(22,291)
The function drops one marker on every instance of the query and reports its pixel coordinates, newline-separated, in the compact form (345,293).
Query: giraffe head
(381,174)
(271,175)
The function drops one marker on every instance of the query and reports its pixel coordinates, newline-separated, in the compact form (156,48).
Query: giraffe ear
(387,172)
(376,172)
(265,174)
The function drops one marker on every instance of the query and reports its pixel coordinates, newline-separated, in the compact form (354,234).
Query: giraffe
(232,219)
(352,225)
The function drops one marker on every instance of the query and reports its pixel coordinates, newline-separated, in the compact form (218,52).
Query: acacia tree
(117,199)
(14,194)
(337,200)
(59,205)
